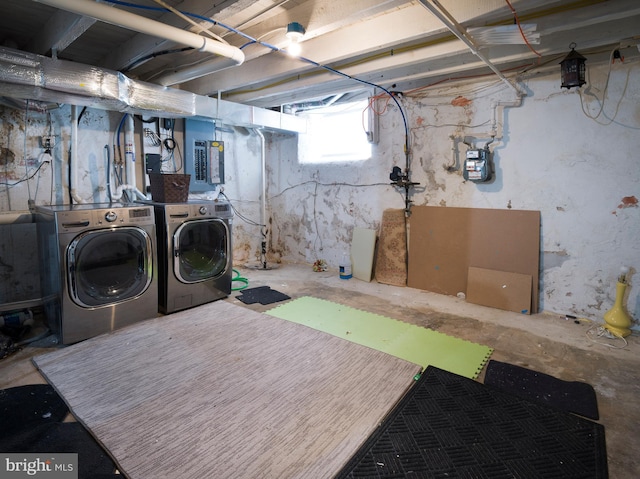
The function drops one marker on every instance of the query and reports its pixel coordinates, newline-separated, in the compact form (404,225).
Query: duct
(131,21)
(459,31)
(294,108)
(27,76)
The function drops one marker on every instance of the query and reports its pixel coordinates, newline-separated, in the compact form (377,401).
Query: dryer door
(200,250)
(108,266)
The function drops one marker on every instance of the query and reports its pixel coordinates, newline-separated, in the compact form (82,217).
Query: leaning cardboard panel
(499,289)
(445,242)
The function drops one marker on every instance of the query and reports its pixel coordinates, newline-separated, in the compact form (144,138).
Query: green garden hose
(240,279)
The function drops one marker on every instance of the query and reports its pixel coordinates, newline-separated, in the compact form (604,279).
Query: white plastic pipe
(74,155)
(131,21)
(197,71)
(129,163)
(263,199)
(129,151)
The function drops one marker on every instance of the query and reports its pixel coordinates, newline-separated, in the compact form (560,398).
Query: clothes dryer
(194,253)
(98,267)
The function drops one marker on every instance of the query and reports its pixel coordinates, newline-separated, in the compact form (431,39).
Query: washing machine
(194,253)
(98,267)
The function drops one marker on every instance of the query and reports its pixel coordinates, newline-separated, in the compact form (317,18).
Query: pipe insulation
(137,23)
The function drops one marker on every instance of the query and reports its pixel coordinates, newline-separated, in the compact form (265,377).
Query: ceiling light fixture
(572,69)
(295,32)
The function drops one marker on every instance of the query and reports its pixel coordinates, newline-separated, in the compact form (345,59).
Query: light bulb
(295,32)
(294,49)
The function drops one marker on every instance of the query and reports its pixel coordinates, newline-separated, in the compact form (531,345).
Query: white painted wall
(577,171)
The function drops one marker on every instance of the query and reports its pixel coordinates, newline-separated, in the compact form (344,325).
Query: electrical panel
(204,156)
(477,165)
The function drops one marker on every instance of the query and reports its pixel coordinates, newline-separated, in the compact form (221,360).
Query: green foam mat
(406,341)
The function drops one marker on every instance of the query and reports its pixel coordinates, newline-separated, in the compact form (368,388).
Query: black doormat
(262,295)
(451,426)
(23,408)
(31,418)
(571,396)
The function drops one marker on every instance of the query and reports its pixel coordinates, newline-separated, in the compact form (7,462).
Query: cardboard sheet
(499,289)
(363,245)
(445,242)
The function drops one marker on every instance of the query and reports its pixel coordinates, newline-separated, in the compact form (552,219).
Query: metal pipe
(131,21)
(459,31)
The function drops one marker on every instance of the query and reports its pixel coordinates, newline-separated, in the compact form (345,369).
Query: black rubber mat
(571,396)
(23,408)
(262,295)
(451,426)
(31,417)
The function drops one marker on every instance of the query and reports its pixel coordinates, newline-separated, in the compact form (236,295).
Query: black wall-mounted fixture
(572,69)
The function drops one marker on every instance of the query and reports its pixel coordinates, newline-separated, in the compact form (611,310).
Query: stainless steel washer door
(200,250)
(108,266)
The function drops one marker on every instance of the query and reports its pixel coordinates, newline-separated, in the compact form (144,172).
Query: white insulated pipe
(131,21)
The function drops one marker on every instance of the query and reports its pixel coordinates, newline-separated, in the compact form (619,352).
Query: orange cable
(524,37)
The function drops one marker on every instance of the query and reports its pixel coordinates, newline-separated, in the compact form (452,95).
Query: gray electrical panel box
(204,156)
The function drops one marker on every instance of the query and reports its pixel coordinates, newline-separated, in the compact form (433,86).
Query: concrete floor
(546,343)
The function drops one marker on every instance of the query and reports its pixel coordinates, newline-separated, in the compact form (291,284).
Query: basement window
(335,133)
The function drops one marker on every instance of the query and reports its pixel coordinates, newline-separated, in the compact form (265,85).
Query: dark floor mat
(451,426)
(23,408)
(262,295)
(31,418)
(70,437)
(571,396)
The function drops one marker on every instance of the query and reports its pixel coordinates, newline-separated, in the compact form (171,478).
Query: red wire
(524,37)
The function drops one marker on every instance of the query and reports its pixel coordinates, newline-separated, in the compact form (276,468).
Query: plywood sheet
(363,245)
(499,289)
(445,242)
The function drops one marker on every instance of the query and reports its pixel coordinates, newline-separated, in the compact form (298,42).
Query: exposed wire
(41,161)
(326,184)
(596,332)
(150,56)
(604,97)
(26,177)
(240,215)
(252,40)
(524,37)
